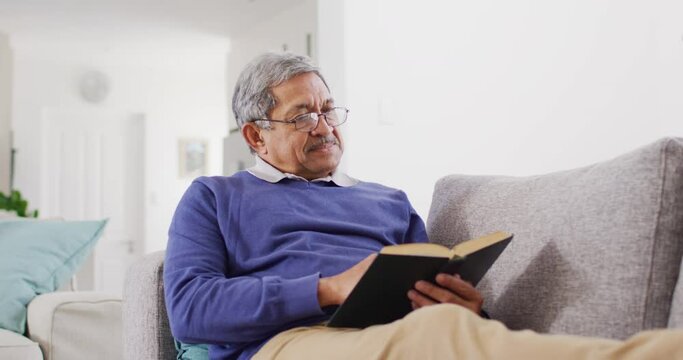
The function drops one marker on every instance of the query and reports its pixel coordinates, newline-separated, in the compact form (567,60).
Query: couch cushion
(77,325)
(36,257)
(597,250)
(15,346)
(191,351)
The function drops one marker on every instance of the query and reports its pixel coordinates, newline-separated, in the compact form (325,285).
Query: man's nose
(322,128)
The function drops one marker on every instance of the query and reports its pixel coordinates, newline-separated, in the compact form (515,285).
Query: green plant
(14,202)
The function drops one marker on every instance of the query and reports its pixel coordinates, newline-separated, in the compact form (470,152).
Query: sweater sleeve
(204,304)
(416,233)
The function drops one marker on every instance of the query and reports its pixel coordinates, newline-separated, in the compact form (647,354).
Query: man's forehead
(310,104)
(307,105)
(304,91)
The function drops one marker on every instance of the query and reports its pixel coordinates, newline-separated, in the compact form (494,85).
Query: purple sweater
(244,255)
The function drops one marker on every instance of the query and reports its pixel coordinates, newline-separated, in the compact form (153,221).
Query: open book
(381,296)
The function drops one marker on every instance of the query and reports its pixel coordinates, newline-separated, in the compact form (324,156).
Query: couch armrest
(147,332)
(77,325)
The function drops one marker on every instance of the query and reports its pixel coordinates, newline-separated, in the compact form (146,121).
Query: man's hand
(334,290)
(452,289)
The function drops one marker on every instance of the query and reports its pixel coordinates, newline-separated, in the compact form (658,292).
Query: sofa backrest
(146,332)
(597,250)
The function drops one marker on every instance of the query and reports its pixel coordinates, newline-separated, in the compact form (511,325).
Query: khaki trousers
(451,332)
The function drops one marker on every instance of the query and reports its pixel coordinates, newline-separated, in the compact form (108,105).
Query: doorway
(93,168)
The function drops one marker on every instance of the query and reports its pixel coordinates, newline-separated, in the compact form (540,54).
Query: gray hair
(253,98)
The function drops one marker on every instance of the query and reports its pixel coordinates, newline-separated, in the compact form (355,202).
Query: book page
(418,249)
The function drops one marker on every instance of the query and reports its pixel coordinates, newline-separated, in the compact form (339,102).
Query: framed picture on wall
(192,157)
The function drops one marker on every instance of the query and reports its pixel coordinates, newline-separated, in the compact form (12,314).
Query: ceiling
(134,19)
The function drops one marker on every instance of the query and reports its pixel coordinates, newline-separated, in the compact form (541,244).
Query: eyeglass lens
(308,122)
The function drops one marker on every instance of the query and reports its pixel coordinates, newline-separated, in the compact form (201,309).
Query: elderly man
(257,261)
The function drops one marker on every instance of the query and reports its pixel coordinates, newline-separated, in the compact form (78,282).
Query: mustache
(322,141)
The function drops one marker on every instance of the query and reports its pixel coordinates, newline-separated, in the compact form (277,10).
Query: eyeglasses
(309,121)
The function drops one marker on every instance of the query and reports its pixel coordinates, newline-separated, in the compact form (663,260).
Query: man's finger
(459,286)
(420,299)
(437,293)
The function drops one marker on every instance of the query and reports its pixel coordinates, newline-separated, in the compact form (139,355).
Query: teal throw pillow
(37,257)
(191,351)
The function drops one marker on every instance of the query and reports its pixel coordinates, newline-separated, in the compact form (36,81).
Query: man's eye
(304,117)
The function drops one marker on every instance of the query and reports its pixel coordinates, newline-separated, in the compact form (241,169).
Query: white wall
(180,90)
(287,28)
(5,102)
(293,30)
(499,87)
(332,53)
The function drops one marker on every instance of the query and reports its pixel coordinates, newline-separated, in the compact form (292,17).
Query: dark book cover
(381,295)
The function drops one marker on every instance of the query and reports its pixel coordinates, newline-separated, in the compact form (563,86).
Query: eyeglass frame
(317,119)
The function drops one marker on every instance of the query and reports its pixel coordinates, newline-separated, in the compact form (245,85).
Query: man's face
(311,154)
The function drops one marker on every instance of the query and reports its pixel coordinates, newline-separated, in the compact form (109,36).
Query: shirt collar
(269,173)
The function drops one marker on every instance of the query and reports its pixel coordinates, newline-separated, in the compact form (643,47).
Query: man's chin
(326,164)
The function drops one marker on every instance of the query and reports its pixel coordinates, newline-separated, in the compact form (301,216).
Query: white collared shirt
(269,173)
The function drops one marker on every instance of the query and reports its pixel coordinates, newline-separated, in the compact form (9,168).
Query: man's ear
(252,134)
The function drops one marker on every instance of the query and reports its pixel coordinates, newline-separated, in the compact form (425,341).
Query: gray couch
(597,250)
